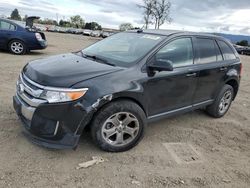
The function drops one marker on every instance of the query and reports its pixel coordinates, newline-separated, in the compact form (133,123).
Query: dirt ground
(191,150)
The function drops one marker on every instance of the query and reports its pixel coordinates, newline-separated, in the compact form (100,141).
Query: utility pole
(57,18)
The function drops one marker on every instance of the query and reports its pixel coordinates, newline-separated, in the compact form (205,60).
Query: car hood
(65,70)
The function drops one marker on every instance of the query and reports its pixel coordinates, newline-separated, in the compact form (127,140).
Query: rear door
(212,71)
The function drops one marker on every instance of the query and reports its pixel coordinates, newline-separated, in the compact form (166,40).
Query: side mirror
(160,65)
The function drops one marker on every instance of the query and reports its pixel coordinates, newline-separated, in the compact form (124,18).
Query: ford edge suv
(117,85)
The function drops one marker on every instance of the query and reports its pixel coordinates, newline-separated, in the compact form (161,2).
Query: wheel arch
(132,100)
(235,84)
(13,39)
(114,99)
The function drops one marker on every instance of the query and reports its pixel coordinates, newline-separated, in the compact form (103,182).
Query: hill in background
(234,38)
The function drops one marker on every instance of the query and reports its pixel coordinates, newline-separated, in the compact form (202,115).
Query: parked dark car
(20,39)
(245,51)
(117,85)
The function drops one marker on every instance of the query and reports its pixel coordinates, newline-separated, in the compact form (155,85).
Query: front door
(173,90)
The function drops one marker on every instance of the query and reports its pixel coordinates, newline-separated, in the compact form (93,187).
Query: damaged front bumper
(57,126)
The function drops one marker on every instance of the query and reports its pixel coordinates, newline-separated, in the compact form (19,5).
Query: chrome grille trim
(29,90)
(32,102)
(41,87)
(29,95)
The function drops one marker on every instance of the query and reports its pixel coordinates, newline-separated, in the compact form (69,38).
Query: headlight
(61,95)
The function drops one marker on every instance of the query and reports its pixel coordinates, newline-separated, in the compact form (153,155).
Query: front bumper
(38,45)
(57,126)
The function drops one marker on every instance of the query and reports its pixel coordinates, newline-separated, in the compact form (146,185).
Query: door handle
(223,68)
(191,74)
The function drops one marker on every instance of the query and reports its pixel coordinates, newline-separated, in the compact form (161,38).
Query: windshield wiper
(97,58)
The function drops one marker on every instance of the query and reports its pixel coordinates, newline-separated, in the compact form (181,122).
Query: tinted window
(6,26)
(207,50)
(179,52)
(226,50)
(218,52)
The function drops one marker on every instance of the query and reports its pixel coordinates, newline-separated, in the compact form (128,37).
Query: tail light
(39,37)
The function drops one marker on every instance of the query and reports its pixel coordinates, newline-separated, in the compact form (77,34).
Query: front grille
(26,82)
(28,92)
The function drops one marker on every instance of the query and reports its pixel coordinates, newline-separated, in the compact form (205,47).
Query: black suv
(117,85)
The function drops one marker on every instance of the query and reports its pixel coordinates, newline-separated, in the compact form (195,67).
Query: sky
(227,16)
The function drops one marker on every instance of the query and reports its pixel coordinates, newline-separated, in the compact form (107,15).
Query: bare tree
(148,11)
(161,12)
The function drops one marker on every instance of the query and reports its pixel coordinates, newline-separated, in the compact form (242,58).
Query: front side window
(6,26)
(227,51)
(124,49)
(179,52)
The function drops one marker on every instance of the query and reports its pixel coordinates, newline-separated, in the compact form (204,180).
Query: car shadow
(35,53)
(4,51)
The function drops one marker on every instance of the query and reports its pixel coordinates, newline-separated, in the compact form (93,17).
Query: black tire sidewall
(107,111)
(214,108)
(24,47)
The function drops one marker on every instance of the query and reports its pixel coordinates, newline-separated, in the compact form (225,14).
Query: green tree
(15,15)
(93,26)
(63,23)
(242,43)
(47,21)
(77,21)
(126,26)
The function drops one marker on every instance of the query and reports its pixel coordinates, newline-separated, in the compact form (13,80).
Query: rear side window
(179,52)
(208,51)
(228,53)
(6,26)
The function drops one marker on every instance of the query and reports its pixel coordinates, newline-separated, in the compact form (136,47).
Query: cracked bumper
(57,126)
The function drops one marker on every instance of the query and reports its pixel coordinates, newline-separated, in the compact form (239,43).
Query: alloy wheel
(17,47)
(225,102)
(120,129)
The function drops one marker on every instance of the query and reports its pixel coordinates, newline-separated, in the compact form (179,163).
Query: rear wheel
(222,103)
(118,126)
(17,47)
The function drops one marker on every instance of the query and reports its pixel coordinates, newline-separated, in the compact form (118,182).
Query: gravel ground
(191,150)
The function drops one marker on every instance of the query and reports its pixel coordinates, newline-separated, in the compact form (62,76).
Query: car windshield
(123,49)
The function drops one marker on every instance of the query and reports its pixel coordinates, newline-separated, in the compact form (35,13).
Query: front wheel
(222,103)
(118,126)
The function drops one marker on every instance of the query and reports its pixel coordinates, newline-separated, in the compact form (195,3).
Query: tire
(225,98)
(109,130)
(17,47)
